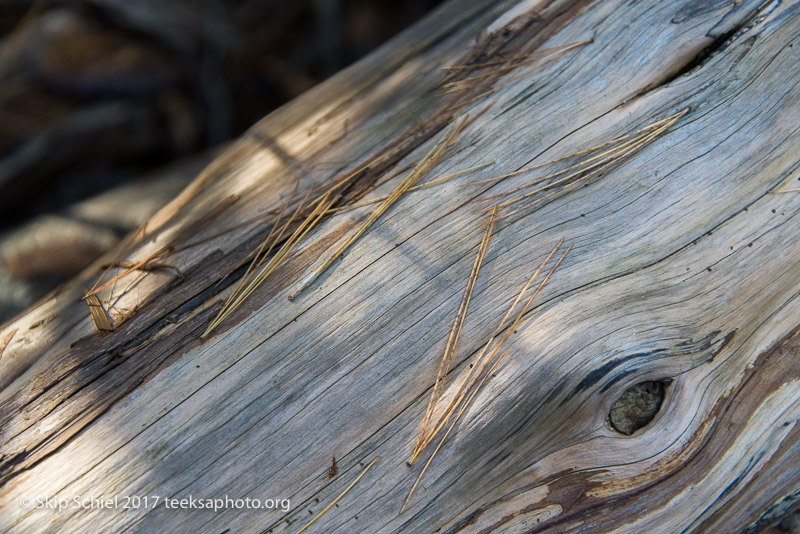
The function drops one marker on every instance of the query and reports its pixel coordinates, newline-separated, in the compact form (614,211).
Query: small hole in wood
(637,406)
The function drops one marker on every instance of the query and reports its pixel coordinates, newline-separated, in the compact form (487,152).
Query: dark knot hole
(637,406)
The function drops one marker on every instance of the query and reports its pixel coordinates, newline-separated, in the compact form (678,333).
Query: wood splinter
(100,317)
(6,341)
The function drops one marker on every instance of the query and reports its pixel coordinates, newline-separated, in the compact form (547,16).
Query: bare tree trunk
(682,284)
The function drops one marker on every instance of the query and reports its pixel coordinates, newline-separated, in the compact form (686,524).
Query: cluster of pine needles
(294,220)
(487,359)
(590,162)
(263,265)
(488,72)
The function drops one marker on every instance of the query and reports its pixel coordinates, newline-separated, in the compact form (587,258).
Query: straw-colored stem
(579,153)
(431,183)
(421,167)
(453,424)
(482,359)
(616,155)
(338,497)
(455,332)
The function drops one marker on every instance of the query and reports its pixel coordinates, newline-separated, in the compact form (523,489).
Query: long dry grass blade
(338,497)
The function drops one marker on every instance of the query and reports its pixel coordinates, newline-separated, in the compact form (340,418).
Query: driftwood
(51,249)
(683,277)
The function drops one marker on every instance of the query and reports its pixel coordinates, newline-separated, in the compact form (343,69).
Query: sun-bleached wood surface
(685,269)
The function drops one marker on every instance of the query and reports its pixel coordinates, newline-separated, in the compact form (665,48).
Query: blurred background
(108,108)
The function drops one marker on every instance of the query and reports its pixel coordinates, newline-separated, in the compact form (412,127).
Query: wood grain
(684,268)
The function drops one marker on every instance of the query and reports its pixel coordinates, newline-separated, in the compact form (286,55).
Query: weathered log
(683,275)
